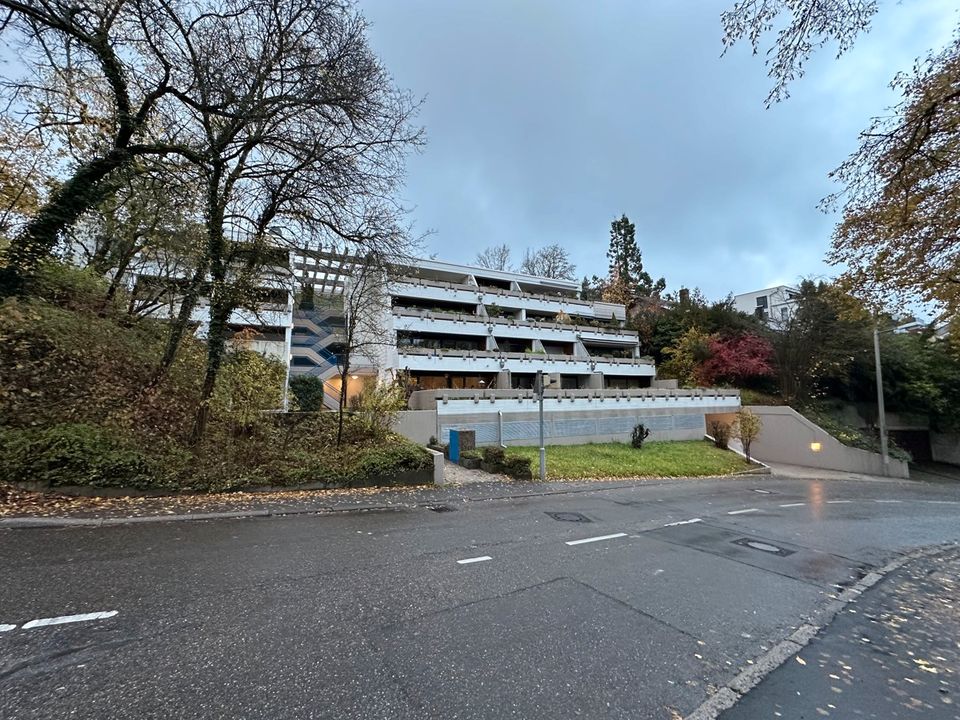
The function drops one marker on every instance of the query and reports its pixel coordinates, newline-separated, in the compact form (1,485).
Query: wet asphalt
(370,615)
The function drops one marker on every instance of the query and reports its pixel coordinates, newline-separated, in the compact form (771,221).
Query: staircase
(313,332)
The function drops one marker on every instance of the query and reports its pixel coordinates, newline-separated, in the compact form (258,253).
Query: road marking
(839,502)
(7,628)
(888,501)
(63,619)
(473,560)
(793,505)
(941,502)
(741,512)
(596,539)
(763,492)
(683,522)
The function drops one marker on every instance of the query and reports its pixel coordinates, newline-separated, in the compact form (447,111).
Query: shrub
(75,454)
(378,405)
(308,390)
(721,434)
(747,428)
(494,455)
(640,433)
(518,468)
(249,383)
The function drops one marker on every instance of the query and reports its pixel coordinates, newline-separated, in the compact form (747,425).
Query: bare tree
(303,136)
(92,67)
(496,257)
(364,314)
(552,261)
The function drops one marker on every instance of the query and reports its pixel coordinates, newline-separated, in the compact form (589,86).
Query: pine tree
(626,261)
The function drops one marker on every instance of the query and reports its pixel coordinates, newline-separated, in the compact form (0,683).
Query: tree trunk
(179,326)
(216,347)
(69,202)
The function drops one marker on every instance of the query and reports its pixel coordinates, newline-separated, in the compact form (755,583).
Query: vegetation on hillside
(79,405)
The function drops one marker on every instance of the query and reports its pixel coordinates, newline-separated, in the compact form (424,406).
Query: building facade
(449,326)
(773,305)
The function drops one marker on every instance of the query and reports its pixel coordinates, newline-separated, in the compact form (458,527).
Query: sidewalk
(891,653)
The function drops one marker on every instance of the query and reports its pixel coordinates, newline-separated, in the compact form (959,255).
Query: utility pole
(543,451)
(880,408)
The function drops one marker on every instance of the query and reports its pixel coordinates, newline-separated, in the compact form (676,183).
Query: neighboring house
(773,305)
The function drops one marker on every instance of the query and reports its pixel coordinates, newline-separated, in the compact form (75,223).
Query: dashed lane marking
(793,505)
(888,501)
(64,619)
(7,628)
(741,512)
(598,538)
(839,502)
(467,561)
(684,522)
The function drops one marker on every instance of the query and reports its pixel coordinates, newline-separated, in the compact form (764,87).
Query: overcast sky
(546,119)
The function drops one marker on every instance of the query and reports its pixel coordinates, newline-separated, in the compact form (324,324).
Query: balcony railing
(503,292)
(512,322)
(533,357)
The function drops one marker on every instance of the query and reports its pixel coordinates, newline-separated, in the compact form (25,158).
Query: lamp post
(881,412)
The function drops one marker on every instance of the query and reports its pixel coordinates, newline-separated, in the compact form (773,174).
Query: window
(762,302)
(783,313)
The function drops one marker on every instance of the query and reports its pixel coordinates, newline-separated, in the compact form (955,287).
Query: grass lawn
(693,458)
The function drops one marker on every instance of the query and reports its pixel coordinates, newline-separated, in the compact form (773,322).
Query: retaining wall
(787,436)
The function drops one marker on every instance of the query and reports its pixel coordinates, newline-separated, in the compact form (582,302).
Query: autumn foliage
(736,360)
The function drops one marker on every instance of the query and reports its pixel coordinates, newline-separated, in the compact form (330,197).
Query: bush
(746,428)
(378,405)
(518,468)
(640,433)
(76,454)
(721,434)
(494,455)
(308,390)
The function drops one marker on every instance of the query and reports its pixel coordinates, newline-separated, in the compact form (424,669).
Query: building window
(762,302)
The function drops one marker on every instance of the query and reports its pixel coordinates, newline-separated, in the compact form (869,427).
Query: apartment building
(773,305)
(454,326)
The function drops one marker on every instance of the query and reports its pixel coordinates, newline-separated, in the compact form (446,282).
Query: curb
(754,672)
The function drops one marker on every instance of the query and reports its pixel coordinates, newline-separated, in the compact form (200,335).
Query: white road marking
(467,561)
(839,502)
(741,512)
(7,628)
(793,505)
(683,522)
(63,619)
(888,501)
(596,539)
(763,492)
(941,502)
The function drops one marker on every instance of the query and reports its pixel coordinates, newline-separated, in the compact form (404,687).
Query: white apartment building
(774,305)
(456,326)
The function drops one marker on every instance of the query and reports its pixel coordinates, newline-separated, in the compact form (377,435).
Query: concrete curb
(753,673)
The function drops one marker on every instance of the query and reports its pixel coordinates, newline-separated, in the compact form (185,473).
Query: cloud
(547,119)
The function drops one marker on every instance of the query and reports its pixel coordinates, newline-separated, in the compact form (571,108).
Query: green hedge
(78,454)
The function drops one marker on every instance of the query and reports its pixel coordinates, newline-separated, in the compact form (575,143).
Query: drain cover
(569,517)
(763,546)
(440,508)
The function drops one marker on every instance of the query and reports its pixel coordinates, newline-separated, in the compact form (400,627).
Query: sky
(548,119)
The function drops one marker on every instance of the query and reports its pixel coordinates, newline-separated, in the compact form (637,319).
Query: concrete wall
(786,438)
(417,425)
(945,447)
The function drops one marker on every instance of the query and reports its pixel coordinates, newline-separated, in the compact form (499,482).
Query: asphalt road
(371,615)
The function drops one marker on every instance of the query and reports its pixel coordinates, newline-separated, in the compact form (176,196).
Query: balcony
(459,324)
(510,299)
(484,361)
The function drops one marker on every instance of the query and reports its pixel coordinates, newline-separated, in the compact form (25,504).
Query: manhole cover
(440,508)
(763,546)
(569,517)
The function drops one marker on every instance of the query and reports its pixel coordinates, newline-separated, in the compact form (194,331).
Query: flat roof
(444,266)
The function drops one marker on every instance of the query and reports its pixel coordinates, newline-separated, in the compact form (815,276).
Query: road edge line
(757,669)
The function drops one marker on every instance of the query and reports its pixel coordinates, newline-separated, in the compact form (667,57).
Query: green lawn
(693,458)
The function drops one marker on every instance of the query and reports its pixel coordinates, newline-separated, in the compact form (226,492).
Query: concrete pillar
(595,381)
(503,380)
